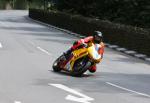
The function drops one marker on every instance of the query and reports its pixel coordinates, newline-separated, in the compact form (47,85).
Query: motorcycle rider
(96,39)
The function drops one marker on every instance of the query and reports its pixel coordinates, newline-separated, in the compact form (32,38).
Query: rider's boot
(92,69)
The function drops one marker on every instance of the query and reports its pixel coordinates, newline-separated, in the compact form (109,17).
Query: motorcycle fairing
(79,53)
(93,52)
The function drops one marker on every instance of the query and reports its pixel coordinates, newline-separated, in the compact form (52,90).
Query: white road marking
(17,102)
(1,45)
(84,99)
(43,50)
(129,90)
(5,24)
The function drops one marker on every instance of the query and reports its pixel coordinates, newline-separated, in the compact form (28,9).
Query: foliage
(22,4)
(134,12)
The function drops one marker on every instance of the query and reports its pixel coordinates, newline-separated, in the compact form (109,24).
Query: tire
(56,68)
(81,71)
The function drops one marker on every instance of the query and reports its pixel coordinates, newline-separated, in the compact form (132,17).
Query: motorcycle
(80,60)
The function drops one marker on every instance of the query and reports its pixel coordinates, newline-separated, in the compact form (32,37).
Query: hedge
(133,38)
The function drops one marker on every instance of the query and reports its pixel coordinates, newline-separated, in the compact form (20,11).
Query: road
(27,51)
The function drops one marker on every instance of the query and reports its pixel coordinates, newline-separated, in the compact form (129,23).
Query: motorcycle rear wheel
(83,69)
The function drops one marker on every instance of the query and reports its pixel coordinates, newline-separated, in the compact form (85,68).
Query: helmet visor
(97,39)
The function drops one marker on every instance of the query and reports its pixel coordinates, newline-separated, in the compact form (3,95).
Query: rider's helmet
(97,36)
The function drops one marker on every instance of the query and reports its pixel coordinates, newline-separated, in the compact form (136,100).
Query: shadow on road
(63,73)
(14,19)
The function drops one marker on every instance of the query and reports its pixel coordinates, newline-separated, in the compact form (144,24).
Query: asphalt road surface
(27,51)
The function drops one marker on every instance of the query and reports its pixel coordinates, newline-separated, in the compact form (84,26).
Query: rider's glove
(84,45)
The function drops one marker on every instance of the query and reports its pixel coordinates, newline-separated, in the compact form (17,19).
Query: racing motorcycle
(80,60)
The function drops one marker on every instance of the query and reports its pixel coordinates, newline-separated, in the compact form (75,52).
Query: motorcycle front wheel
(56,67)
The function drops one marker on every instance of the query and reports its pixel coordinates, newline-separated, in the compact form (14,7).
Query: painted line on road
(43,50)
(82,99)
(5,24)
(17,101)
(129,90)
(1,45)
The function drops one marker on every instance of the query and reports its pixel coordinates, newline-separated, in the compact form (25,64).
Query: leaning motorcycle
(80,60)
